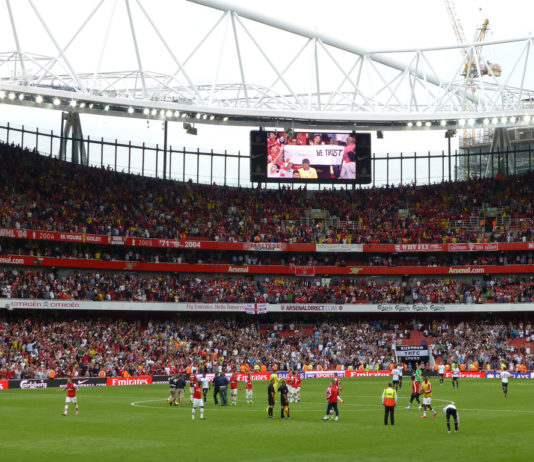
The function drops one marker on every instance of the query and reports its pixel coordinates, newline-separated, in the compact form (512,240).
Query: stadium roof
(221,64)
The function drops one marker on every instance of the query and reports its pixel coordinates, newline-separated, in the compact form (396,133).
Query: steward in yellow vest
(389,400)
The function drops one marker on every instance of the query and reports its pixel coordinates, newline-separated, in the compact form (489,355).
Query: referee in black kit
(284,400)
(451,411)
(271,398)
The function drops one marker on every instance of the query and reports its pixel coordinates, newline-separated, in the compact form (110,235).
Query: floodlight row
(471,122)
(73,103)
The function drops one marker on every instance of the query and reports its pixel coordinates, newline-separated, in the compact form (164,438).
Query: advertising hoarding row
(34,304)
(83,382)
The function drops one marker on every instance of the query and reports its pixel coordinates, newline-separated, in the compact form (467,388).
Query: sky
(377,24)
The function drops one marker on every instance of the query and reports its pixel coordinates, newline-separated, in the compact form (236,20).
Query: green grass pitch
(136,424)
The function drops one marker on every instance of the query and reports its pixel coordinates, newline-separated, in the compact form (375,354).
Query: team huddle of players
(200,385)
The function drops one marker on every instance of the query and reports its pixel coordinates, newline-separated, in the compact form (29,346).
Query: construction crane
(475,66)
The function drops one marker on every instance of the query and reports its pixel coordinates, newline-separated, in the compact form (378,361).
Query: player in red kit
(272,140)
(297,382)
(248,390)
(416,391)
(233,389)
(197,400)
(290,387)
(332,395)
(192,383)
(71,390)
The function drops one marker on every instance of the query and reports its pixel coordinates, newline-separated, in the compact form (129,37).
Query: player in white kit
(505,375)
(441,373)
(396,375)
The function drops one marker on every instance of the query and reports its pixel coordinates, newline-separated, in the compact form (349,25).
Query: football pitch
(136,424)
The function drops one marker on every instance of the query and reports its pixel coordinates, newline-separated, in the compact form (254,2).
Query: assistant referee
(271,398)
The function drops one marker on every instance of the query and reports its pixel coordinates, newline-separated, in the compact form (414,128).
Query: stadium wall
(34,384)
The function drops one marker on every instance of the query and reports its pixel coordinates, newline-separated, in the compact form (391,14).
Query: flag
(256,308)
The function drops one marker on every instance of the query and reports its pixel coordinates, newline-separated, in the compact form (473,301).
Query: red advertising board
(4,384)
(259,269)
(121,381)
(198,244)
(367,373)
(254,376)
(457,247)
(201,244)
(468,375)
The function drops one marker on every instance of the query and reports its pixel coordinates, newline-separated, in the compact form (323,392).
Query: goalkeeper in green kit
(418,374)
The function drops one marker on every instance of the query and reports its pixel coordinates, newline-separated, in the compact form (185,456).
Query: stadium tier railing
(208,166)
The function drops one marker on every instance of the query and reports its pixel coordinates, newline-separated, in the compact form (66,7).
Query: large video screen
(310,157)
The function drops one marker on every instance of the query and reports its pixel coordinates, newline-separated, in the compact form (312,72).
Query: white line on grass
(343,407)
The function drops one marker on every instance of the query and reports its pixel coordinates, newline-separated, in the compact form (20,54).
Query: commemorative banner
(200,243)
(411,353)
(190,243)
(317,155)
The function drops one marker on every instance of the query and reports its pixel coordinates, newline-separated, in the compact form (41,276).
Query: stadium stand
(103,286)
(40,193)
(47,194)
(85,347)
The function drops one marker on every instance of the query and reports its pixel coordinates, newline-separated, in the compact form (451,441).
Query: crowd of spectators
(142,287)
(31,348)
(149,255)
(38,192)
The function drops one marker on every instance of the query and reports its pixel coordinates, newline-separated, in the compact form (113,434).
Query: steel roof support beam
(137,54)
(305,32)
(522,86)
(69,43)
(58,48)
(500,91)
(317,77)
(240,60)
(16,37)
(297,55)
(169,50)
(260,49)
(169,79)
(104,43)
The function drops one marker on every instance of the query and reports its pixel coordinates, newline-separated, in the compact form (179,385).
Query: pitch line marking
(517,411)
